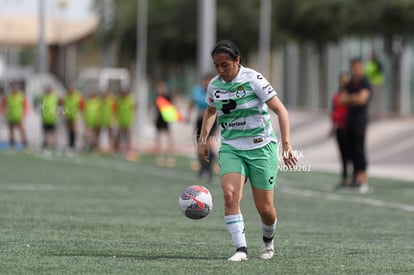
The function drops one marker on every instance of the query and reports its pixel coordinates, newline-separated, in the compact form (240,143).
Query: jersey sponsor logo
(221,94)
(258,140)
(265,87)
(217,93)
(225,125)
(268,89)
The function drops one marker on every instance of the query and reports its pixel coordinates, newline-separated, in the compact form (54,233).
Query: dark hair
(356,60)
(228,47)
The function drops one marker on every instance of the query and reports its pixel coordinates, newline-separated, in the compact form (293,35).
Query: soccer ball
(195,202)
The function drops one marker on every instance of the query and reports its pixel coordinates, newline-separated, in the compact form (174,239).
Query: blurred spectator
(339,114)
(375,74)
(92,121)
(125,109)
(163,130)
(15,107)
(108,117)
(358,92)
(73,103)
(49,113)
(198,99)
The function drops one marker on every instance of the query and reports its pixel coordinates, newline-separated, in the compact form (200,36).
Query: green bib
(92,112)
(71,105)
(50,104)
(107,112)
(125,111)
(15,107)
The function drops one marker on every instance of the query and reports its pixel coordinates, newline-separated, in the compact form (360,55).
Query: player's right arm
(209,119)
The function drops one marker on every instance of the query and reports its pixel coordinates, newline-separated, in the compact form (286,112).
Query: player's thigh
(262,167)
(233,173)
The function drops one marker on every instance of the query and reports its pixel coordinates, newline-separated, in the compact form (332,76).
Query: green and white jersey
(243,116)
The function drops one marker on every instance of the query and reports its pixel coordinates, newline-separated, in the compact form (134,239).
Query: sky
(75,9)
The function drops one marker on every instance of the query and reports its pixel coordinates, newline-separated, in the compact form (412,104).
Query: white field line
(335,197)
(169,173)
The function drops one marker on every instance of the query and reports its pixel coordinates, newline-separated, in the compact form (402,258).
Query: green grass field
(103,215)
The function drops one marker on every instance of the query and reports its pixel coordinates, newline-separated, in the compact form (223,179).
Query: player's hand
(288,157)
(203,152)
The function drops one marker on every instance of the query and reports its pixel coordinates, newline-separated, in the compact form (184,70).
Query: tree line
(172,27)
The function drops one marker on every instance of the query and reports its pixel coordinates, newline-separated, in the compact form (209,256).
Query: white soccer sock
(269,230)
(235,226)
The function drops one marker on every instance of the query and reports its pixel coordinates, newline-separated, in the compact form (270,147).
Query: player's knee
(266,211)
(231,199)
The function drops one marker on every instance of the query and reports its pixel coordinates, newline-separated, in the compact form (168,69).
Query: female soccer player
(240,97)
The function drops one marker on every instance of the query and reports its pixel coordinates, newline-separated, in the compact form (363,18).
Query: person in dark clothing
(338,117)
(163,155)
(198,99)
(358,93)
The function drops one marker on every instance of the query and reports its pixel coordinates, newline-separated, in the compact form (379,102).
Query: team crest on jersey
(240,91)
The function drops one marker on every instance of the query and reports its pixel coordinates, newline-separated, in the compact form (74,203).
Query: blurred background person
(375,73)
(73,103)
(125,110)
(15,107)
(92,121)
(163,154)
(358,92)
(198,100)
(338,116)
(49,114)
(108,109)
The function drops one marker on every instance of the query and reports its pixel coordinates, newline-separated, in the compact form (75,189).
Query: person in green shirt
(126,108)
(108,109)
(15,107)
(73,104)
(92,114)
(49,114)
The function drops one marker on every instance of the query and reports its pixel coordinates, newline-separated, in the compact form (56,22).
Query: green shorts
(258,165)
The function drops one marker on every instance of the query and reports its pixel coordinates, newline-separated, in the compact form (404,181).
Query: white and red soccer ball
(195,202)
